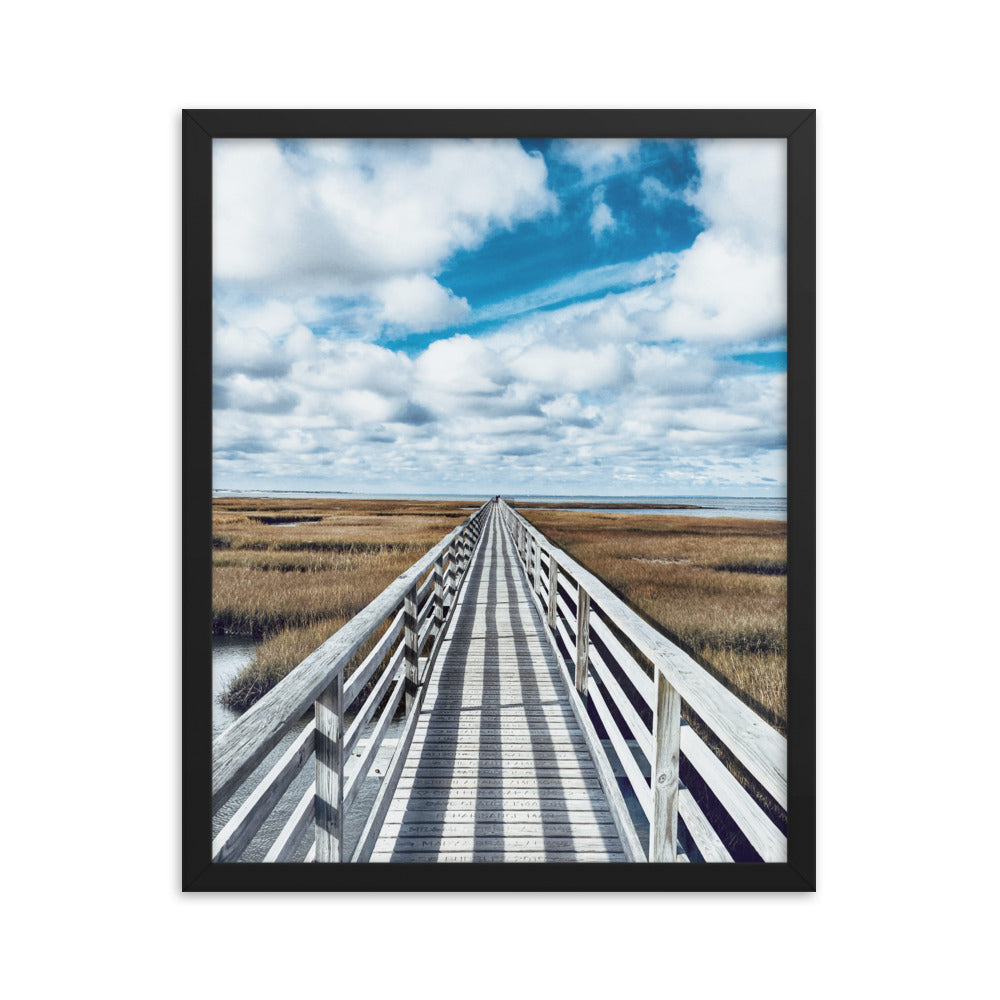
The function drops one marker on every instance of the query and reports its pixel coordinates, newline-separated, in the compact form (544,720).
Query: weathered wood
(503,736)
(626,829)
(582,638)
(621,702)
(637,677)
(238,750)
(411,649)
(553,592)
(502,753)
(551,783)
(505,844)
(636,778)
(706,839)
(233,838)
(439,594)
(495,726)
(482,829)
(302,817)
(531,770)
(373,701)
(666,772)
(374,743)
(508,857)
(329,722)
(504,795)
(765,838)
(355,684)
(369,835)
(584,815)
(759,747)
(425,615)
(425,590)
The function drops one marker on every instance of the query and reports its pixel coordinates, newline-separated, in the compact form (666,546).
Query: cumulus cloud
(418,302)
(730,284)
(725,290)
(597,158)
(601,219)
(333,216)
(741,190)
(580,382)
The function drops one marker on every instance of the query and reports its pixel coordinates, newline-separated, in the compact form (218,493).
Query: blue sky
(543,316)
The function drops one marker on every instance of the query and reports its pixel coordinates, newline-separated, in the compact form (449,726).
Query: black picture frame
(200,127)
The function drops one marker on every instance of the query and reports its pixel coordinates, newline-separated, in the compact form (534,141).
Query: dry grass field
(292,572)
(716,585)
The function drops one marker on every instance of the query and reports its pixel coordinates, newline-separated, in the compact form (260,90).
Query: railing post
(411,655)
(666,771)
(582,637)
(439,595)
(553,590)
(329,816)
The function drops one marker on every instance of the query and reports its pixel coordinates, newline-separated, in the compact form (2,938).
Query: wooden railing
(406,623)
(589,627)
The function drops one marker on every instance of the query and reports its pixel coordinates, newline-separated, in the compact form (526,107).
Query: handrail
(655,775)
(412,606)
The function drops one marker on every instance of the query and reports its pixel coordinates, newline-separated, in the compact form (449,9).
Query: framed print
(499,507)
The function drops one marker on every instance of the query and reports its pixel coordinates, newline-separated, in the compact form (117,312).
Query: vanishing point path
(498,769)
(541,721)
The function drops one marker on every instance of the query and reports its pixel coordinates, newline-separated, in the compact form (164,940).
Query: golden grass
(294,585)
(716,585)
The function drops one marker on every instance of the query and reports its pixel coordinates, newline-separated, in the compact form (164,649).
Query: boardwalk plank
(499,769)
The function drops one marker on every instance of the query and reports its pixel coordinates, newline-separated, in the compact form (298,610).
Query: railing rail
(583,615)
(406,622)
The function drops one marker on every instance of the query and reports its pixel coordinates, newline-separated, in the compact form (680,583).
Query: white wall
(907,221)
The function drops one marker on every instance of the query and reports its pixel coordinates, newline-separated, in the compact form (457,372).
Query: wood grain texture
(238,750)
(233,838)
(666,773)
(760,748)
(496,737)
(499,759)
(329,812)
(294,829)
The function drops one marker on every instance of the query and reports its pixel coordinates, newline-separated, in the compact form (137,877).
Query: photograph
(496,429)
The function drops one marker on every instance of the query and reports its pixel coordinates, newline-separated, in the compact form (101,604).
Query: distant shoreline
(679,505)
(575,505)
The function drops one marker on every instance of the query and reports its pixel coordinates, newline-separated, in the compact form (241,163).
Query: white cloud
(333,216)
(630,391)
(654,192)
(601,219)
(597,158)
(742,190)
(418,302)
(555,368)
(249,351)
(725,290)
(459,367)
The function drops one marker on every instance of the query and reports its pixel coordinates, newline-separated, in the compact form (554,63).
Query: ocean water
(761,508)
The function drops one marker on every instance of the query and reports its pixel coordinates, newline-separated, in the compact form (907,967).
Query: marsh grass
(716,585)
(292,572)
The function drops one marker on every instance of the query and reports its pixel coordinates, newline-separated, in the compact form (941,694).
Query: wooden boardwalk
(540,715)
(499,769)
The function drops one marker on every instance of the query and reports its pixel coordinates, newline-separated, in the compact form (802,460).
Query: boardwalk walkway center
(543,720)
